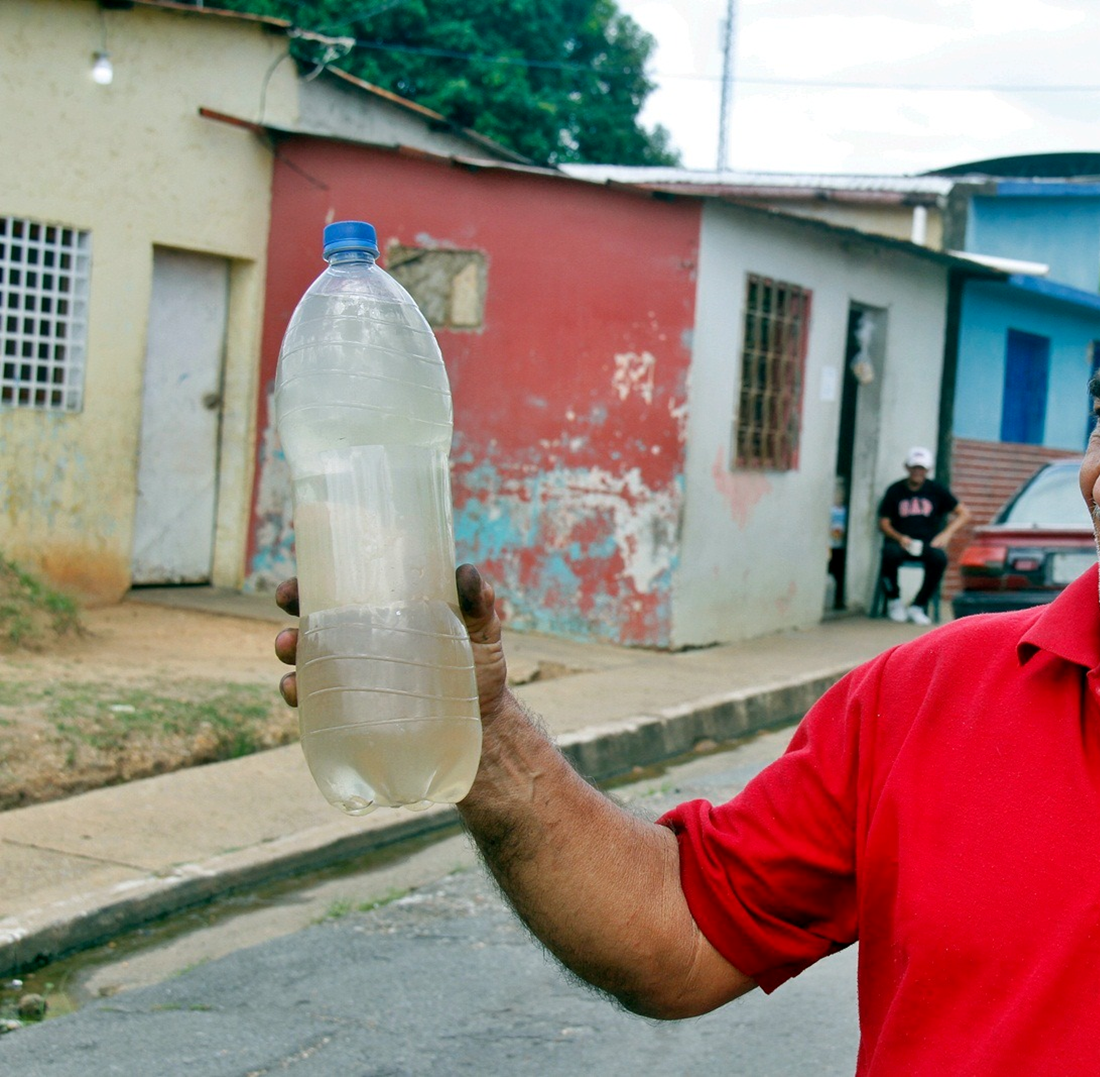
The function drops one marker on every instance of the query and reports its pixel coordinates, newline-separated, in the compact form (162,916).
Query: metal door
(180,419)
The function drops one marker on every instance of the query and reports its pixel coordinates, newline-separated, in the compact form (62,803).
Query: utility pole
(727,88)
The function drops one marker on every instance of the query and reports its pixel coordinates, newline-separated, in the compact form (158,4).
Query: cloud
(950,43)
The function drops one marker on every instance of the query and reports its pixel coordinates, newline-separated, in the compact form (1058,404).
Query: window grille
(43,314)
(773,360)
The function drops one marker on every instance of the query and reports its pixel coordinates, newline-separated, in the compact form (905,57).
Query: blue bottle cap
(349,236)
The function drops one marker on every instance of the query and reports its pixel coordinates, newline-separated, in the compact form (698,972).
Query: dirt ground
(142,690)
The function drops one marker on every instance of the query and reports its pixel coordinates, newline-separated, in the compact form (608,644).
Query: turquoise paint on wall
(1062,233)
(989,311)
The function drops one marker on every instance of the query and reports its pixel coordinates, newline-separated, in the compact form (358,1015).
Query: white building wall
(755,544)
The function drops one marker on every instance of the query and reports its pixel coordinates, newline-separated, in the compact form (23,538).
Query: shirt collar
(1070,626)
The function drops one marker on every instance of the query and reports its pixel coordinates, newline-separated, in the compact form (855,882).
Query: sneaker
(918,616)
(895,610)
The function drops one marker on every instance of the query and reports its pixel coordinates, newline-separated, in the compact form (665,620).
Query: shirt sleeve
(770,876)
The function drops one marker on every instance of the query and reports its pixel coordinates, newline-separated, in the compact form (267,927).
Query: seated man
(912,515)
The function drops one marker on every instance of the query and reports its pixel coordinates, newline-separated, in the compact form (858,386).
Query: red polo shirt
(940,804)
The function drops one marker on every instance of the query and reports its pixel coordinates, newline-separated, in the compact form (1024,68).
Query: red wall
(570,401)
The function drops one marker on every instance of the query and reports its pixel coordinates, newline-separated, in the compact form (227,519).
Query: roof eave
(428,115)
(268,21)
(461,160)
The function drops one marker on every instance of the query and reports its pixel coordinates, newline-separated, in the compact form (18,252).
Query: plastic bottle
(387,697)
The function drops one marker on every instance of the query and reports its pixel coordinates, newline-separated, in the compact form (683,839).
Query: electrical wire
(827,84)
(339,46)
(959,87)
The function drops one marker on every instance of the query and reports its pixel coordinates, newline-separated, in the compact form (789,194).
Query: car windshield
(1051,499)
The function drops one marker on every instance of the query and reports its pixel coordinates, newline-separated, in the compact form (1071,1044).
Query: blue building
(1027,345)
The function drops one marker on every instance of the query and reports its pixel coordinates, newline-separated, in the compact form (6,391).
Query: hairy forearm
(597,885)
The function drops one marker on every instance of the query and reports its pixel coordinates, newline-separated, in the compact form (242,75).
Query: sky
(982,59)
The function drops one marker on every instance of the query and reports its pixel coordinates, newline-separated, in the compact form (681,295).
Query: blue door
(1027,363)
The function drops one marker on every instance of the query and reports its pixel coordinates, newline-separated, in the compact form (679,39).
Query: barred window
(43,314)
(773,360)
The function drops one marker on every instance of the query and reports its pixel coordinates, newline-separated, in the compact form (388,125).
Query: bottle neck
(356,254)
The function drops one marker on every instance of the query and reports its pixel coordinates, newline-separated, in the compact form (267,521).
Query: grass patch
(342,906)
(231,719)
(79,735)
(386,899)
(337,910)
(32,614)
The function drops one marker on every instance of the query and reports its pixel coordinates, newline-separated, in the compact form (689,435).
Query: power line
(960,87)
(565,65)
(517,61)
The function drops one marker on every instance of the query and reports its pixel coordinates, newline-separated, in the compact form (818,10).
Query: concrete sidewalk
(78,871)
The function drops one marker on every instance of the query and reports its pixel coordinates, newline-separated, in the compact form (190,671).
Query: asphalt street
(443,980)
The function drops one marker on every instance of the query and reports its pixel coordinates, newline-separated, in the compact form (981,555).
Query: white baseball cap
(919,457)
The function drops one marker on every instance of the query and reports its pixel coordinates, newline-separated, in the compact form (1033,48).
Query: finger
(286,646)
(286,596)
(288,687)
(476,600)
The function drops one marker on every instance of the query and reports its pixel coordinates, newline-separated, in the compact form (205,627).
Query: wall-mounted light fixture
(103,71)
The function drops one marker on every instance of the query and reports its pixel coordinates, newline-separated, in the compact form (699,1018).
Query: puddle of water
(170,946)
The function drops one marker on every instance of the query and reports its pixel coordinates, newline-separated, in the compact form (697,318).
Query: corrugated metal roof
(764,184)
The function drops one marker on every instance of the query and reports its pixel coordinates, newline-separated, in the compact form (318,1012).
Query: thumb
(476,600)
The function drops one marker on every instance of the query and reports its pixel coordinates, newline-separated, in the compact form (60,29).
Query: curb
(601,753)
(605,752)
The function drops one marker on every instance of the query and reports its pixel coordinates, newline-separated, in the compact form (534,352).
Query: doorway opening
(857,437)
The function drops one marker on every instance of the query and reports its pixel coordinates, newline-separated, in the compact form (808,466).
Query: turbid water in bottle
(386,691)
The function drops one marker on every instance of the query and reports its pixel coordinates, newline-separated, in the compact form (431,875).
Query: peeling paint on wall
(61,516)
(678,413)
(577,551)
(634,373)
(273,559)
(741,490)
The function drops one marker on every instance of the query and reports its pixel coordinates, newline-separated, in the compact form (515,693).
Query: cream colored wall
(884,220)
(134,164)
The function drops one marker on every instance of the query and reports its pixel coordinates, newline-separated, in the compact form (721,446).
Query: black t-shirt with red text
(917,513)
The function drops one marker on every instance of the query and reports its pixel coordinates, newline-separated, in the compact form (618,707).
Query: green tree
(558,81)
